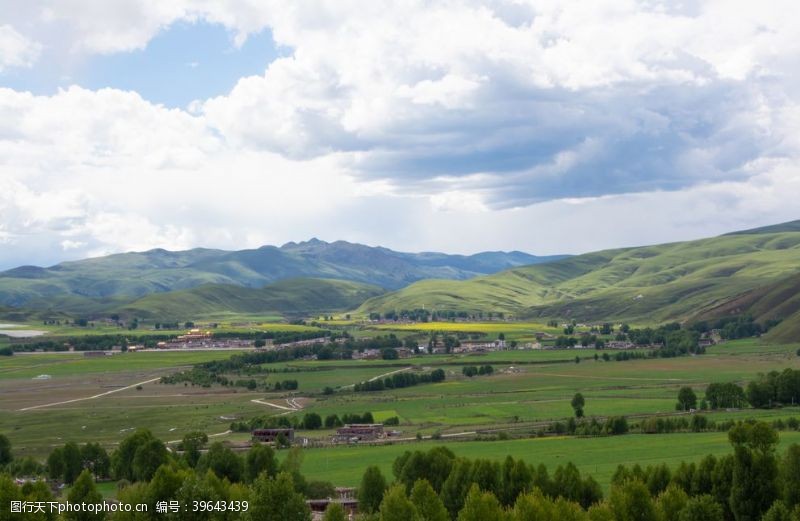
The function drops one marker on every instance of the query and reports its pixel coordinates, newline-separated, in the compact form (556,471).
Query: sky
(457,126)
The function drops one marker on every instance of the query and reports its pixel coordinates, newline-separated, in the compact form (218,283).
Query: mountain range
(111,280)
(650,284)
(755,272)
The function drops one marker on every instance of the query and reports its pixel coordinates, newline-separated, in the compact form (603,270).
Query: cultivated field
(96,399)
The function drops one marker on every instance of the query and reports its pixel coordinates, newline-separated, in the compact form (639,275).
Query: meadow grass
(527,387)
(23,365)
(596,456)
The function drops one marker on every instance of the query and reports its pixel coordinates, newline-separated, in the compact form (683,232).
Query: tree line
(400,380)
(754,482)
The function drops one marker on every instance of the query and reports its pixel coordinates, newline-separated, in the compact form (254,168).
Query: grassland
(291,296)
(528,390)
(513,330)
(650,284)
(597,456)
(232,323)
(22,365)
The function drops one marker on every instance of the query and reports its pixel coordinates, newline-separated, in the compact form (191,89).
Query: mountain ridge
(651,283)
(136,274)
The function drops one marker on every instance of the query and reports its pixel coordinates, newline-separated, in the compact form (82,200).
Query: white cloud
(15,49)
(459,125)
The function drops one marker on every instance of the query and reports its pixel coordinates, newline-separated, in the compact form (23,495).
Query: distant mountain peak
(135,274)
(313,241)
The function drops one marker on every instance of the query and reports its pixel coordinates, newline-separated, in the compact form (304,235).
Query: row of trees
(731,328)
(425,315)
(768,390)
(106,342)
(752,483)
(471,370)
(308,421)
(400,380)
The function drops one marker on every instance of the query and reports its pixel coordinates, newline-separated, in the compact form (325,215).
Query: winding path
(90,397)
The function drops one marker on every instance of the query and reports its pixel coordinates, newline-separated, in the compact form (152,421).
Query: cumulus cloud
(15,49)
(538,102)
(489,116)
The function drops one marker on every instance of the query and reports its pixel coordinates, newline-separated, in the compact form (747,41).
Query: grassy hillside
(78,284)
(663,282)
(777,301)
(285,297)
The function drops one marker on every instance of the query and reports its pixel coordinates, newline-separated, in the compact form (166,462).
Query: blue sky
(549,127)
(184,62)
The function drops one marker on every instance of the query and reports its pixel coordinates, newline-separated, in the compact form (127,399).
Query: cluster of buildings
(345,496)
(197,339)
(350,433)
(271,435)
(356,432)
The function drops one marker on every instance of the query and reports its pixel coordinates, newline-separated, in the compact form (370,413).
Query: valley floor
(104,399)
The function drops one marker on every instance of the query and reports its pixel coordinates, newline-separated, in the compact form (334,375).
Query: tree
(9,491)
(260,458)
(703,479)
(395,506)
(481,506)
(222,461)
(790,473)
(722,480)
(456,486)
(701,508)
(191,445)
(320,489)
(428,505)
(84,491)
(754,485)
(95,458)
(486,474)
(73,463)
(55,463)
(335,512)
(778,512)
(5,451)
(631,501)
(147,458)
(312,421)
(671,501)
(533,506)
(434,466)
(577,404)
(686,399)
(516,477)
(122,459)
(206,488)
(332,421)
(165,484)
(370,493)
(275,498)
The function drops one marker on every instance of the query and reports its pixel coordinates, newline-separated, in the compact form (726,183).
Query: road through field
(90,397)
(293,405)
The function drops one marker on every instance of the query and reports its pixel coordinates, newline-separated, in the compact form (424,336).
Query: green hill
(293,296)
(777,301)
(651,283)
(78,284)
(792,226)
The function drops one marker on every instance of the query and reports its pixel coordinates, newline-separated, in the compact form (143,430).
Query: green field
(24,365)
(513,330)
(528,390)
(597,456)
(231,323)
